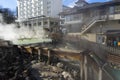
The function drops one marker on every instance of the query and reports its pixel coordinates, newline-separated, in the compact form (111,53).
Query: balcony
(114,16)
(73,19)
(73,22)
(46,26)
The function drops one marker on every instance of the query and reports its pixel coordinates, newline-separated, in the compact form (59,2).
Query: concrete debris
(33,62)
(56,69)
(60,65)
(13,63)
(66,75)
(48,72)
(17,64)
(75,73)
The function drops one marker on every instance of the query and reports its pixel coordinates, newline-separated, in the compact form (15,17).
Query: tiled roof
(68,11)
(92,5)
(79,1)
(89,6)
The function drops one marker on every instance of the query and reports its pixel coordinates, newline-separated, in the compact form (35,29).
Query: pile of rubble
(18,64)
(13,63)
(42,71)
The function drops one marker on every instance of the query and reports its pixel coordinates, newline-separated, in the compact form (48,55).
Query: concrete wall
(102,27)
(89,37)
(73,28)
(114,17)
(99,29)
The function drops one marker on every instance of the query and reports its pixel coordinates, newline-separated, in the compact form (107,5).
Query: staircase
(90,22)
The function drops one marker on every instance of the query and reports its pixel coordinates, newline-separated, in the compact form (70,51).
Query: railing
(85,44)
(114,50)
(100,50)
(90,21)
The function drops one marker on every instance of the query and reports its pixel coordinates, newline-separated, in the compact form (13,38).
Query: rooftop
(76,9)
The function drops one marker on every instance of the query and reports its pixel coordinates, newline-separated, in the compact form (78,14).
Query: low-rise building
(38,24)
(37,14)
(96,22)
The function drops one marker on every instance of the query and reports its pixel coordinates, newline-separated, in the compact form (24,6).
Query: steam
(7,32)
(35,32)
(11,32)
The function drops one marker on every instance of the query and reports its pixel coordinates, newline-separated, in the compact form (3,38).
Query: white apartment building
(34,8)
(39,15)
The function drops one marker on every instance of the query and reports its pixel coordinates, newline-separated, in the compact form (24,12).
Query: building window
(41,12)
(68,18)
(111,10)
(25,24)
(39,23)
(30,25)
(41,2)
(34,24)
(41,7)
(62,22)
(62,16)
(45,23)
(48,12)
(117,9)
(48,7)
(76,17)
(56,23)
(51,23)
(48,2)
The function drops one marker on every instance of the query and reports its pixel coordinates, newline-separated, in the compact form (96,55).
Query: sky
(12,3)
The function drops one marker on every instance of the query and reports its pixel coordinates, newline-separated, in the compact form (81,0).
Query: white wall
(99,29)
(56,7)
(90,37)
(104,26)
(33,8)
(73,28)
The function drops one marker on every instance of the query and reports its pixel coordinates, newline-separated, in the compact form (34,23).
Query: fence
(99,49)
(85,44)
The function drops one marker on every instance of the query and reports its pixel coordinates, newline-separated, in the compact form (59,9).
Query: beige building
(96,22)
(38,24)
